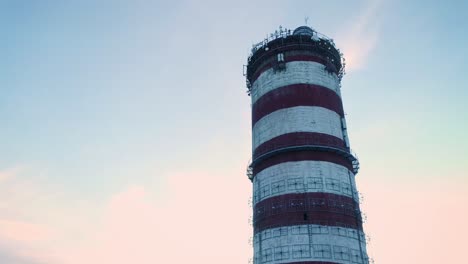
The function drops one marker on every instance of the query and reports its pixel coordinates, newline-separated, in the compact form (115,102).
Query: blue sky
(106,99)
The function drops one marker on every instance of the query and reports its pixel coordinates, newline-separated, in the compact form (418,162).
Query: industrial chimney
(305,202)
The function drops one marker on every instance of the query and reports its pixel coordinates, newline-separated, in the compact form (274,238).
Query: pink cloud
(416,222)
(197,217)
(201,218)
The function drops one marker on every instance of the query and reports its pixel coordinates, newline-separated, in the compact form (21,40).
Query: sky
(125,126)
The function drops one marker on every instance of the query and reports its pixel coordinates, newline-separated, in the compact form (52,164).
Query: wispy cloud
(361,37)
(9,173)
(22,241)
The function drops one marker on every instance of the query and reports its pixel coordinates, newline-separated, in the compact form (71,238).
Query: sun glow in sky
(125,126)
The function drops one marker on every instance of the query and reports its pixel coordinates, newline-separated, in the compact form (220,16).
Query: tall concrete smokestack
(305,202)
